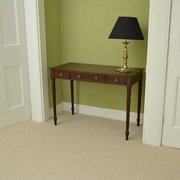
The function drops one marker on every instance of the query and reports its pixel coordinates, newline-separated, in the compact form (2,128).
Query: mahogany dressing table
(98,74)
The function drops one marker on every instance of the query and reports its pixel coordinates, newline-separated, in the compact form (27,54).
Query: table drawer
(87,77)
(61,74)
(116,80)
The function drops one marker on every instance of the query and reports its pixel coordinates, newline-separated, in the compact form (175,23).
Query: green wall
(52,14)
(77,31)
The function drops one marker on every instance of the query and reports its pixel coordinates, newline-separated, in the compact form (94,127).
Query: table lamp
(126,28)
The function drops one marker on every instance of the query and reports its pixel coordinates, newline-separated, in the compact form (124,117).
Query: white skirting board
(96,111)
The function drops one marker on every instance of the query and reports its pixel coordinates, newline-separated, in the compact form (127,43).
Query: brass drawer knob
(60,74)
(115,79)
(95,78)
(78,76)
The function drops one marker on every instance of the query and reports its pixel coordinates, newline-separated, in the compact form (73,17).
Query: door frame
(157,58)
(37,62)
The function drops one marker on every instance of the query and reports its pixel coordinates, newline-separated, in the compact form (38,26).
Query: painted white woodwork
(97,111)
(158,40)
(36,45)
(171,125)
(14,78)
(43,60)
(36,52)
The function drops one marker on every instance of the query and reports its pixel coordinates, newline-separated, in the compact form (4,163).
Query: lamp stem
(124,68)
(125,55)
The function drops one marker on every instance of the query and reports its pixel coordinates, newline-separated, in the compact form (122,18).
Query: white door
(14,80)
(171,127)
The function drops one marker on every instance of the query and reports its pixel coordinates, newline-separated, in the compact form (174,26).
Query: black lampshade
(126,28)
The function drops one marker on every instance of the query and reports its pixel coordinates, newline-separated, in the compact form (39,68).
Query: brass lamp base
(122,69)
(125,67)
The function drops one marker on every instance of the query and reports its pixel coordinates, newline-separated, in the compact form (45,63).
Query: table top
(94,68)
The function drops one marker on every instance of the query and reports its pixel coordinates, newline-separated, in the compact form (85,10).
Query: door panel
(9,23)
(14,80)
(176,123)
(171,127)
(14,90)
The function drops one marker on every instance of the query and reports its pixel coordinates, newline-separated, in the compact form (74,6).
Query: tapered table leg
(54,100)
(72,95)
(139,102)
(128,111)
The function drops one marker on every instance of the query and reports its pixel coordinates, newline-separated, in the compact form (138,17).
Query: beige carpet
(82,148)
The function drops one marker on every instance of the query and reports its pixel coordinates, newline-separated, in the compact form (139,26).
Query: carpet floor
(82,147)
